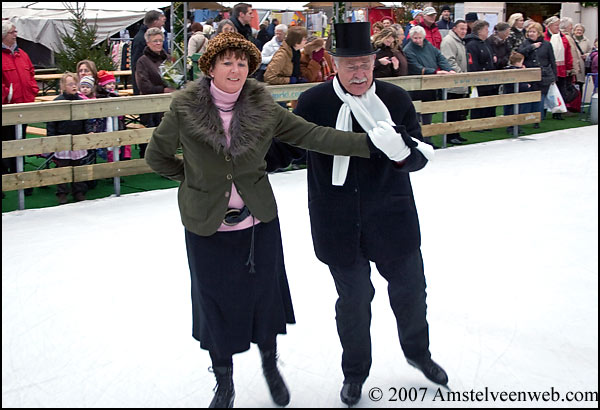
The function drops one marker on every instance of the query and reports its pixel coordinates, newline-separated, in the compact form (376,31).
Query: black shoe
(225,392)
(431,370)
(350,393)
(536,125)
(455,141)
(277,387)
(461,139)
(557,116)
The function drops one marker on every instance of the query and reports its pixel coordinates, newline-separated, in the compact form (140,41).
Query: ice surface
(96,305)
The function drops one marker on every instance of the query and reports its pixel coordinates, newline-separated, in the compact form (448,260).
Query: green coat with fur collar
(209,167)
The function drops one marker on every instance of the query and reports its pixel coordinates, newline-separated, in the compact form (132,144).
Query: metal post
(116,157)
(21,193)
(444,116)
(185,42)
(516,109)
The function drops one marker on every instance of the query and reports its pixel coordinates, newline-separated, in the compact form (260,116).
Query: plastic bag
(474,93)
(554,101)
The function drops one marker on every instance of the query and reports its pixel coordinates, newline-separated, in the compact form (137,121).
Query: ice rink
(96,308)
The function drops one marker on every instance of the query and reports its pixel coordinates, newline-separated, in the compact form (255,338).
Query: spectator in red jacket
(18,84)
(432,32)
(562,55)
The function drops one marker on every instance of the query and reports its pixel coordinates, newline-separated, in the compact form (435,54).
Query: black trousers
(406,290)
(9,133)
(453,116)
(486,112)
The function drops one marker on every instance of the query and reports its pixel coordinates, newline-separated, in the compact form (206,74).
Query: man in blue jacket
(363,210)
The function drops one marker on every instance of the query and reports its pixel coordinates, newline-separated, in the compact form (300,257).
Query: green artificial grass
(44,197)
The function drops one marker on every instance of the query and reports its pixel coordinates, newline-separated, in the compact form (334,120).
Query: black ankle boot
(431,370)
(224,393)
(277,387)
(351,393)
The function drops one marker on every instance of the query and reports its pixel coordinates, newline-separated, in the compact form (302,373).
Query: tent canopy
(44,25)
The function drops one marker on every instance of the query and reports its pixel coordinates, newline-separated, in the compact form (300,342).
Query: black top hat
(352,40)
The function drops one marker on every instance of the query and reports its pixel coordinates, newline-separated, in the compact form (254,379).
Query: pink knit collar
(223,100)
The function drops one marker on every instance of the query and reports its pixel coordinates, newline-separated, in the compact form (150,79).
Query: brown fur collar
(248,125)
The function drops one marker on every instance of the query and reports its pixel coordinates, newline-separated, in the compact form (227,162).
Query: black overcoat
(374,211)
(542,56)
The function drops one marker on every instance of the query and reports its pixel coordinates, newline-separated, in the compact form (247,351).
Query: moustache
(358,80)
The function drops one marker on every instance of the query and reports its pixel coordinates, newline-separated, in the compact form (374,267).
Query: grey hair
(223,23)
(418,30)
(151,32)
(6,27)
(579,25)
(565,22)
(281,27)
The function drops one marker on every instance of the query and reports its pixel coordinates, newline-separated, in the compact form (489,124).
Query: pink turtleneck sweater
(227,101)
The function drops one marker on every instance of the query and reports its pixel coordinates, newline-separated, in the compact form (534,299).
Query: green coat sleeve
(160,153)
(296,131)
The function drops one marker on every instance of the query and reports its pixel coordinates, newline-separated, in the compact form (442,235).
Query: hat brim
(350,53)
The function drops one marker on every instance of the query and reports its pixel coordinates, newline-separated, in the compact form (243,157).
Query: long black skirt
(231,306)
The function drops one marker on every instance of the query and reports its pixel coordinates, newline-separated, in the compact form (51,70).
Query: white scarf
(367,109)
(559,48)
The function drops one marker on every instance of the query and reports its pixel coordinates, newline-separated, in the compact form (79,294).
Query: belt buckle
(231,212)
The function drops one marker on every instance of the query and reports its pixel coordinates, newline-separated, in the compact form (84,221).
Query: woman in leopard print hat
(224,123)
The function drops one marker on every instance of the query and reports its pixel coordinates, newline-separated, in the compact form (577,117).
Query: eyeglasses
(362,67)
(156,41)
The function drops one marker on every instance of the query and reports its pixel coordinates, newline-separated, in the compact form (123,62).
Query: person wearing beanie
(445,23)
(86,87)
(225,123)
(107,81)
(417,16)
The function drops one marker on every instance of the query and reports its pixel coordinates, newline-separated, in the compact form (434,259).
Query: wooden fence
(13,114)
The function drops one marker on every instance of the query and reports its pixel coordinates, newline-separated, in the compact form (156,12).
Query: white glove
(389,141)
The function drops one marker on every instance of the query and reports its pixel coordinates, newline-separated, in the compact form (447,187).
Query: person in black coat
(368,213)
(539,53)
(499,45)
(241,17)
(480,57)
(153,18)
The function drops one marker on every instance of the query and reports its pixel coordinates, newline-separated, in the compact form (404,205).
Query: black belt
(234,216)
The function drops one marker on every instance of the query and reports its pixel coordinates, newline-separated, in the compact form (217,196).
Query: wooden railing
(13,114)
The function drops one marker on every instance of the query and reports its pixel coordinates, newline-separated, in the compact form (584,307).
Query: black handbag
(571,92)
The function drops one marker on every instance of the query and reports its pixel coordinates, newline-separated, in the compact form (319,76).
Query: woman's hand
(395,63)
(168,90)
(384,60)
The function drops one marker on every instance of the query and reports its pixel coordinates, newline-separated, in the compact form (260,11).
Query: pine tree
(79,46)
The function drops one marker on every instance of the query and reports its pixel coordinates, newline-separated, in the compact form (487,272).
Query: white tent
(42,23)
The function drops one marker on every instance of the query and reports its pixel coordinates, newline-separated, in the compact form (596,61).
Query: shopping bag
(474,93)
(554,101)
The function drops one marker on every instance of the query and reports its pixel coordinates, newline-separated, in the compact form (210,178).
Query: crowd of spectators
(291,55)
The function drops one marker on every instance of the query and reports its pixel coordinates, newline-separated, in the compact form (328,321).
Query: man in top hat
(363,210)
